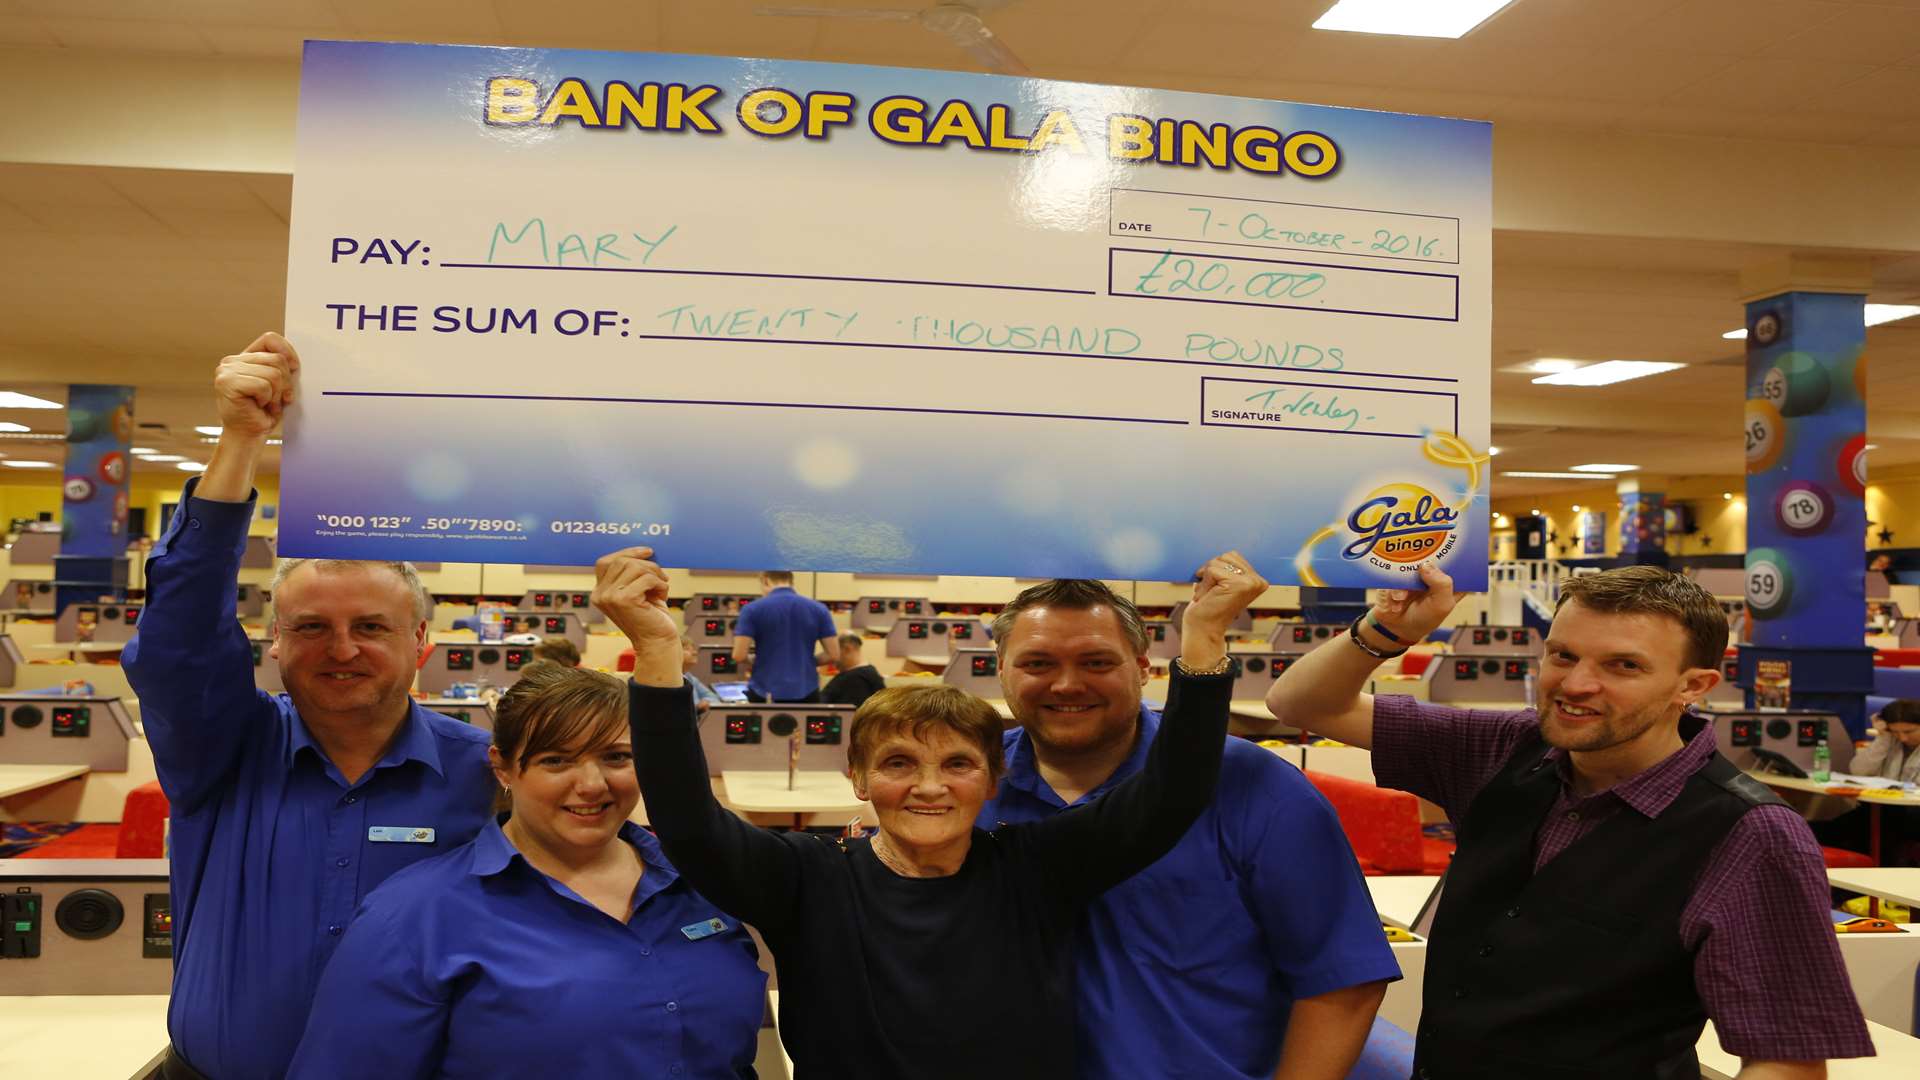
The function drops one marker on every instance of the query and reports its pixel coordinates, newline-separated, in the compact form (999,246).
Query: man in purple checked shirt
(1618,882)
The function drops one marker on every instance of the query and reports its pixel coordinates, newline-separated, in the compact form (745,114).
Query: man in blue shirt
(1253,946)
(782,629)
(287,809)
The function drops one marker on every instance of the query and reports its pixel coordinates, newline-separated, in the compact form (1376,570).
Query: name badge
(399,834)
(696,931)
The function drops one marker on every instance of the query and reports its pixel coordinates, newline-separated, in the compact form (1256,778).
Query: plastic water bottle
(1822,763)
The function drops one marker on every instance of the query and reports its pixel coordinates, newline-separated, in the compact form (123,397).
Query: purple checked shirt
(1766,963)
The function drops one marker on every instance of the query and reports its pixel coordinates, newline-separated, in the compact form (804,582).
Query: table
(1897,883)
(58,1037)
(814,791)
(1899,1056)
(75,649)
(1794,783)
(15,779)
(1399,898)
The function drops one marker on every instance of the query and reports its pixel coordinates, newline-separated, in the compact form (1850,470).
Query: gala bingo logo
(1398,526)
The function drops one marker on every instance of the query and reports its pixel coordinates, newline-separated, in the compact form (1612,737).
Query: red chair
(1842,859)
(140,834)
(1383,825)
(143,824)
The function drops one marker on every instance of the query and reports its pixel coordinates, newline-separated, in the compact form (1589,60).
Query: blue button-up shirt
(270,845)
(785,627)
(1191,968)
(477,964)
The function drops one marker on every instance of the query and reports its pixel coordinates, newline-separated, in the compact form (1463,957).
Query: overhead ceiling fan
(960,23)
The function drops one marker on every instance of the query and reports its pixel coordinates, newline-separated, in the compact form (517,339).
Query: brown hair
(1649,590)
(778,577)
(1072,594)
(1903,711)
(853,639)
(917,710)
(554,708)
(560,650)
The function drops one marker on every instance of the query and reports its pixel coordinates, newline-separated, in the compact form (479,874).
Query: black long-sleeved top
(966,976)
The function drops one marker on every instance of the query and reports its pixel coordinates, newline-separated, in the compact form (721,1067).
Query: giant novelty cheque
(779,314)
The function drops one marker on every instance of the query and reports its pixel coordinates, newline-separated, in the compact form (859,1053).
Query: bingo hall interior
(1527,472)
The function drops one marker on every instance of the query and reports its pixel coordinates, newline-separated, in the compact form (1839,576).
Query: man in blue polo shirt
(1253,946)
(287,809)
(782,628)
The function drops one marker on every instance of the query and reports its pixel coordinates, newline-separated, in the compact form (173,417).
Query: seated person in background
(1253,945)
(287,809)
(1618,882)
(857,681)
(935,949)
(780,630)
(704,696)
(559,941)
(1894,753)
(560,650)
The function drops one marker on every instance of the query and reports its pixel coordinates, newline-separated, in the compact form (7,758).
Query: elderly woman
(560,941)
(936,949)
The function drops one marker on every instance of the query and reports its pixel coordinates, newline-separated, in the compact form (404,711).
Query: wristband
(1381,629)
(1353,635)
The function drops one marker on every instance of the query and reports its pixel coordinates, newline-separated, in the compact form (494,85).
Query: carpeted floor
(19,837)
(58,840)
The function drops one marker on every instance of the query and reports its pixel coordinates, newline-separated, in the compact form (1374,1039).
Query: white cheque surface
(770,313)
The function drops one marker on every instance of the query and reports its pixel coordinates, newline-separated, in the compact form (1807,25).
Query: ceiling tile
(1891,93)
(1861,34)
(1731,27)
(1754,85)
(730,28)
(1569,23)
(115,35)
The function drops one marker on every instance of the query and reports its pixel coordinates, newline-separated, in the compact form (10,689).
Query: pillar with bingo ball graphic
(1804,428)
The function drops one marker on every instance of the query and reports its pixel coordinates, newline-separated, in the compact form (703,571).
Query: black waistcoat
(1577,972)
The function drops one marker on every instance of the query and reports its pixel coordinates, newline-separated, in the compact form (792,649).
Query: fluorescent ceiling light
(15,463)
(1608,372)
(1604,467)
(191,466)
(8,425)
(1876,315)
(139,451)
(1553,365)
(1554,476)
(208,430)
(161,457)
(1409,18)
(11,400)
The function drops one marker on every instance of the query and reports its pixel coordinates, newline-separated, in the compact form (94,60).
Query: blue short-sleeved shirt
(785,627)
(1191,968)
(271,848)
(477,964)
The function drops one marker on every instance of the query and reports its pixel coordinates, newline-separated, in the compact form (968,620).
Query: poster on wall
(767,313)
(1593,533)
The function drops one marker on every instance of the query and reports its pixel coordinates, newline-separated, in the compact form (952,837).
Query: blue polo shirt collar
(493,853)
(416,743)
(1023,770)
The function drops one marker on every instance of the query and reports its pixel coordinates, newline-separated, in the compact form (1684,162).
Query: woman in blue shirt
(559,942)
